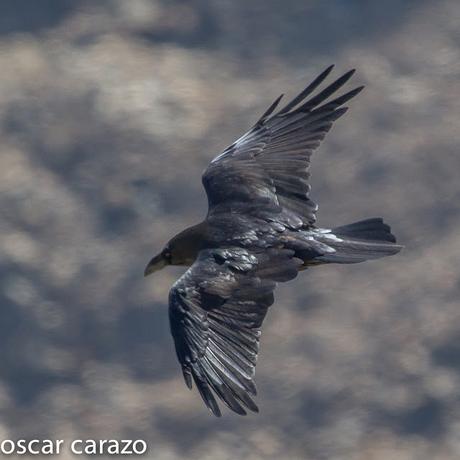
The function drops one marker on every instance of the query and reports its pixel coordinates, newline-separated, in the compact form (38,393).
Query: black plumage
(260,229)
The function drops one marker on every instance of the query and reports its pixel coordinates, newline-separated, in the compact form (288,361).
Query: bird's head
(161,260)
(174,253)
(181,250)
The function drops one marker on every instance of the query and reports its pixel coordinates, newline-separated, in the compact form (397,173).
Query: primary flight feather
(260,229)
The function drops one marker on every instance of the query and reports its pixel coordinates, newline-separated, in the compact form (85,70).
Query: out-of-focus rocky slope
(110,110)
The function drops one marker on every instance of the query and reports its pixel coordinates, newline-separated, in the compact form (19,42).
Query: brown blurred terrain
(109,112)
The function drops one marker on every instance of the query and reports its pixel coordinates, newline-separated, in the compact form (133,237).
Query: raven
(260,229)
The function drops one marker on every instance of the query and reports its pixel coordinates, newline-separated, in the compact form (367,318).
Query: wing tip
(215,411)
(326,71)
(269,111)
(188,382)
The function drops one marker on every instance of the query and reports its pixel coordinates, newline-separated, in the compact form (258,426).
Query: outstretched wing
(216,311)
(269,164)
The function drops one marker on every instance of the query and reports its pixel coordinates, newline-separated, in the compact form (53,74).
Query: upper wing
(216,311)
(269,164)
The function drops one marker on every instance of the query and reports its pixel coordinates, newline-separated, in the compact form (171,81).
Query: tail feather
(364,240)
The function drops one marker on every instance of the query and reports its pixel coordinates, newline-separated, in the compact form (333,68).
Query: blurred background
(110,111)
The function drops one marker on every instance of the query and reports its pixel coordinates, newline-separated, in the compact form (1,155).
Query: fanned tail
(364,240)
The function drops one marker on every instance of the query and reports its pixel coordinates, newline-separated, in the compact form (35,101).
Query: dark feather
(307,91)
(325,93)
(270,110)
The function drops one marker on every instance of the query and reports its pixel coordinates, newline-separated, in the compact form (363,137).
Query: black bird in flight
(260,229)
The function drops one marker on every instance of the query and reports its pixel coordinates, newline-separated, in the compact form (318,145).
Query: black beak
(157,263)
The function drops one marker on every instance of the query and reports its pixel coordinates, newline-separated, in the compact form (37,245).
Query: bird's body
(260,229)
